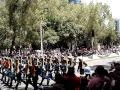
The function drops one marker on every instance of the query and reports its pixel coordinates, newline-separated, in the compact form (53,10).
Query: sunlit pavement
(90,62)
(106,61)
(22,85)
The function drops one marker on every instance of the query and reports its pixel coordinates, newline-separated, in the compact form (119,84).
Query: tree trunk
(12,6)
(12,45)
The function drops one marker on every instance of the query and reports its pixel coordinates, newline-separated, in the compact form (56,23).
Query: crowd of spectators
(101,79)
(63,68)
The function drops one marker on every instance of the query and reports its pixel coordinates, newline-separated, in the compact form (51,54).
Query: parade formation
(33,70)
(26,69)
(59,45)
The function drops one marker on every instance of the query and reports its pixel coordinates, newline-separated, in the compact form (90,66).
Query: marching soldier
(56,66)
(47,73)
(18,73)
(0,64)
(63,66)
(28,74)
(2,68)
(32,73)
(10,73)
(47,65)
(80,66)
(6,68)
(70,60)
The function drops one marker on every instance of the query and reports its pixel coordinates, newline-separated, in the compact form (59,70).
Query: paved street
(98,61)
(22,86)
(90,62)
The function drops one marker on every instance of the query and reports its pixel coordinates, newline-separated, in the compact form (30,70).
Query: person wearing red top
(116,76)
(71,81)
(28,73)
(18,73)
(6,68)
(9,67)
(6,64)
(97,82)
(2,63)
(32,74)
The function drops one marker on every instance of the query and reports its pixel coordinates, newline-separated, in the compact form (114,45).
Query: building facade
(75,1)
(117,25)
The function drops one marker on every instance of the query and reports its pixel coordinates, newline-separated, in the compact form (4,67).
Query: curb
(102,58)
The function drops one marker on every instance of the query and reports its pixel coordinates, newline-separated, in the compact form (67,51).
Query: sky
(114,5)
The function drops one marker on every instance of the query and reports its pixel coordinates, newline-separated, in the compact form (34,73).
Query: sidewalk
(102,61)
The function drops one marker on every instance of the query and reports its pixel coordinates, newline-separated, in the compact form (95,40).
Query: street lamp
(41,43)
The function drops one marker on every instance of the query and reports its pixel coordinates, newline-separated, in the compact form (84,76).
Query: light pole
(41,43)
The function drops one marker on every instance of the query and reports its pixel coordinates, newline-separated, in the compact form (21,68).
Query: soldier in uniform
(0,64)
(43,75)
(63,66)
(70,60)
(2,68)
(10,73)
(18,73)
(28,74)
(6,68)
(57,65)
(34,73)
(40,64)
(80,66)
(47,73)
(47,65)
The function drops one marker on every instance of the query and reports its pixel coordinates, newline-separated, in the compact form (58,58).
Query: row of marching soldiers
(13,70)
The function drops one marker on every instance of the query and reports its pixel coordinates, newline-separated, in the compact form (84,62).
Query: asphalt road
(91,62)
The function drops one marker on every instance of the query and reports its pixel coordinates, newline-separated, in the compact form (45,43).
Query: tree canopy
(64,24)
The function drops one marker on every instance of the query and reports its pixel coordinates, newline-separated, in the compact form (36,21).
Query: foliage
(62,22)
(50,36)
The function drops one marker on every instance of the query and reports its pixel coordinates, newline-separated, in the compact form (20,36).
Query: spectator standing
(97,82)
(116,76)
(71,81)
